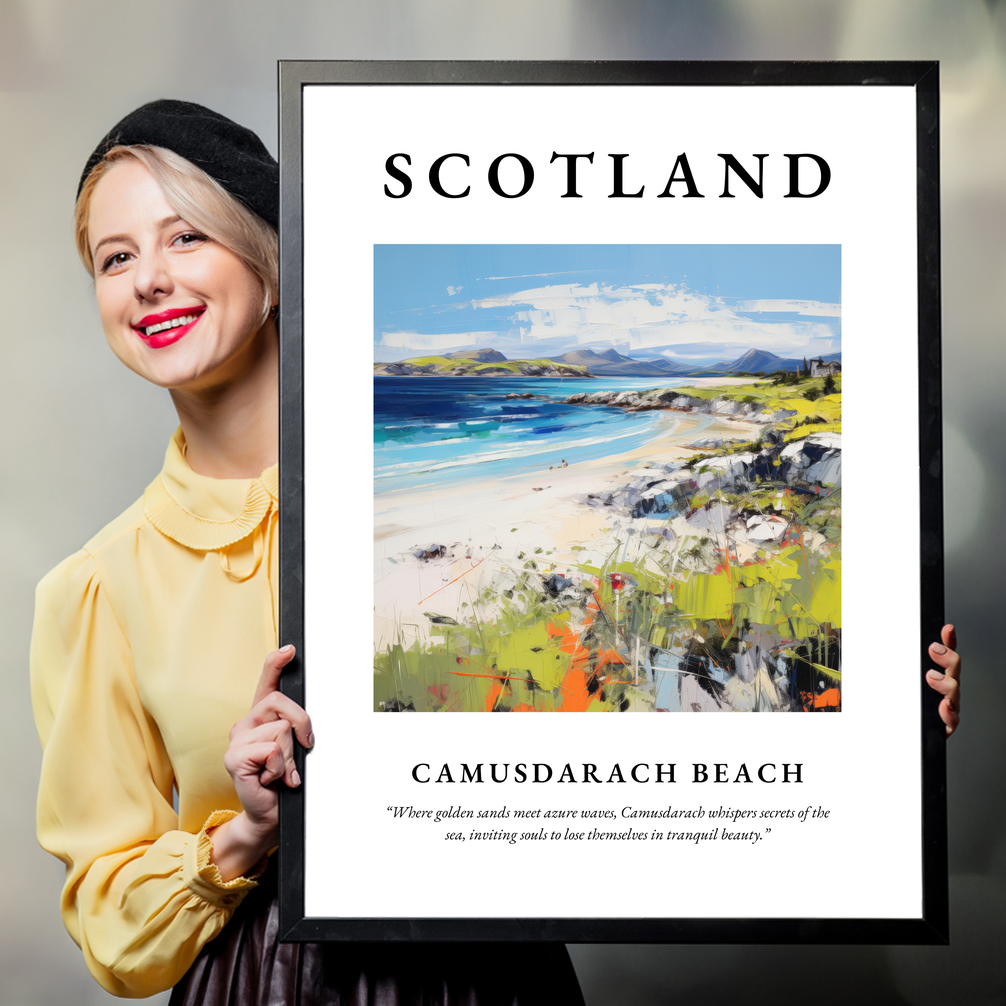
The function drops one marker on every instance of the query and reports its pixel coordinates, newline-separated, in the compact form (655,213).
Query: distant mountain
(588,358)
(482,355)
(611,363)
(756,359)
(670,367)
(761,359)
(613,356)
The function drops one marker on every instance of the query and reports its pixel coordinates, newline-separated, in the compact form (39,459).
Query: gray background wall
(82,436)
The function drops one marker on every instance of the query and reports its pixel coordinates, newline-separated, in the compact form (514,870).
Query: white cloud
(652,315)
(436,341)
(595,313)
(814,308)
(452,290)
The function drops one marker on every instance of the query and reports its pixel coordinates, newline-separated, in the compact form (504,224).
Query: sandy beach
(483,532)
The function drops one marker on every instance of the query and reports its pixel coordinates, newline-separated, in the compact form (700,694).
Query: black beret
(230,154)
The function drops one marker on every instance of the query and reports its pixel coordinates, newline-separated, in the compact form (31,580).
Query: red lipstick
(166,327)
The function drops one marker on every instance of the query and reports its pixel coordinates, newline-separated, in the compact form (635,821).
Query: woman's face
(177,308)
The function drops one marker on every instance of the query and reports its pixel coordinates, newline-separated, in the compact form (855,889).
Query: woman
(148,643)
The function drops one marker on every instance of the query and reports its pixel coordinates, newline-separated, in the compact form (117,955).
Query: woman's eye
(114,261)
(190,238)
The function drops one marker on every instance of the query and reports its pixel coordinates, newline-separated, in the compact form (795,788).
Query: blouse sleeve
(141,898)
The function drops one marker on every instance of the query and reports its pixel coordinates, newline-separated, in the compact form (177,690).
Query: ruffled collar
(203,513)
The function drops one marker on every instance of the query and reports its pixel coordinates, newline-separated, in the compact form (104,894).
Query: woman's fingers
(949,636)
(271,671)
(949,711)
(277,706)
(946,681)
(951,717)
(260,761)
(270,703)
(949,688)
(949,660)
(274,735)
(274,766)
(261,749)
(944,684)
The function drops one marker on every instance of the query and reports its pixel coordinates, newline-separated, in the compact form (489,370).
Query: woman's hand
(260,753)
(947,682)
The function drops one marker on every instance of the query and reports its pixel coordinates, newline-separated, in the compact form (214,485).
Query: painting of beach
(607,478)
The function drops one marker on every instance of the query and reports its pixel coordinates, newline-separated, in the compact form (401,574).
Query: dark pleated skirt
(246,965)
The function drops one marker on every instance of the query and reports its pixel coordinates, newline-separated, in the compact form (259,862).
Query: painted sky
(690,303)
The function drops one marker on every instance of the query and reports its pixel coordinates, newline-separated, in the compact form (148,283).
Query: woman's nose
(152,277)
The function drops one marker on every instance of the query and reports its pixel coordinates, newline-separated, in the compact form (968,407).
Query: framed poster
(572,424)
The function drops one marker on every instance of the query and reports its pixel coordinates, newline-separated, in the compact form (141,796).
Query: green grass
(439,361)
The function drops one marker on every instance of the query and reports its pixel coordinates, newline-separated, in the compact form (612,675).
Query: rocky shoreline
(670,398)
(810,466)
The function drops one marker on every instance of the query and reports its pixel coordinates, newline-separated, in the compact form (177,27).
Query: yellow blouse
(147,647)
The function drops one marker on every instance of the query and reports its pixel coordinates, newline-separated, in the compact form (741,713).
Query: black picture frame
(931,926)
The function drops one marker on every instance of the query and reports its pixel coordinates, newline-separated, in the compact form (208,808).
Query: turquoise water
(444,430)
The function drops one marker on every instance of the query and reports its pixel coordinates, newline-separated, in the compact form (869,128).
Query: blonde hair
(199,200)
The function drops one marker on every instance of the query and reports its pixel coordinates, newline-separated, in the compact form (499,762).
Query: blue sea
(438,430)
